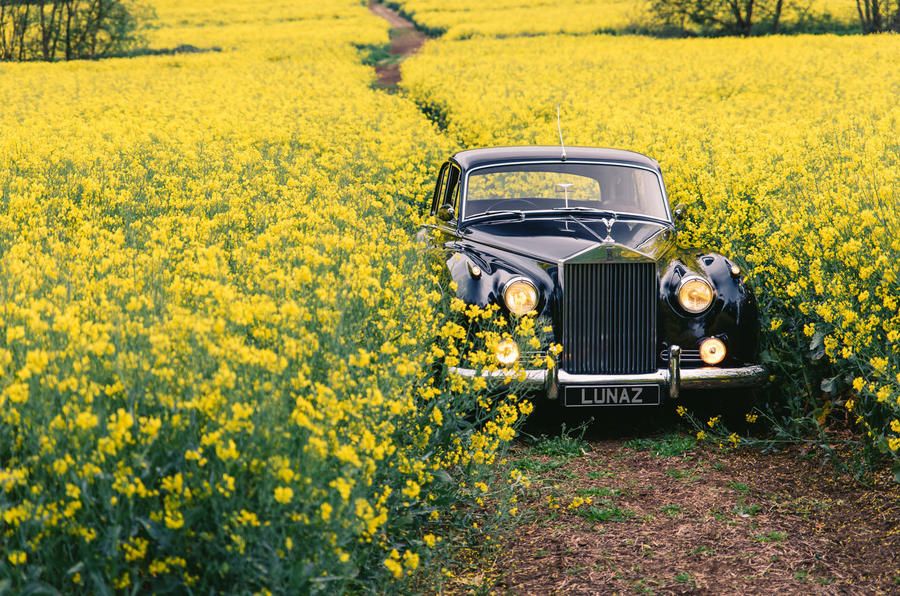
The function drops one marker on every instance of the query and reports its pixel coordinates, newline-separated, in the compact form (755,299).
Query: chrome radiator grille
(609,318)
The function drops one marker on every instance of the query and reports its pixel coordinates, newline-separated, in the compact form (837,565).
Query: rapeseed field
(223,357)
(220,347)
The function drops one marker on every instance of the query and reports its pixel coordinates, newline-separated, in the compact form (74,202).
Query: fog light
(712,350)
(507,352)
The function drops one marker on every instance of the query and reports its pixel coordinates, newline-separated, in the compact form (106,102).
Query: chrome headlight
(520,295)
(695,294)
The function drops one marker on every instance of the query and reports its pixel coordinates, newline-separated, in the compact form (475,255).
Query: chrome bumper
(674,377)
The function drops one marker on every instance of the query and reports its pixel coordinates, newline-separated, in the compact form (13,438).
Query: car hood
(560,238)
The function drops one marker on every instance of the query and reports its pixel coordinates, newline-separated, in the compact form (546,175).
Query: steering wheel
(509,204)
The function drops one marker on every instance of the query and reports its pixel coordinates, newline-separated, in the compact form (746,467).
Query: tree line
(68,29)
(759,17)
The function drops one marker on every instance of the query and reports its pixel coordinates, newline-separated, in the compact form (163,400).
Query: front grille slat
(609,318)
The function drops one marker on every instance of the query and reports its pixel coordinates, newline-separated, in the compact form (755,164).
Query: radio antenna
(559,129)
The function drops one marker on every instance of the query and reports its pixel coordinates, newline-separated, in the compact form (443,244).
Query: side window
(440,189)
(452,196)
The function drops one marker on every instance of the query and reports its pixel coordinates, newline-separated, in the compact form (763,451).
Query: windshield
(582,187)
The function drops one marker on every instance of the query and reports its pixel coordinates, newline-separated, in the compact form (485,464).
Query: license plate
(612,395)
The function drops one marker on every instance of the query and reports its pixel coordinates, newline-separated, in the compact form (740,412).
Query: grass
(600,491)
(746,509)
(739,487)
(605,513)
(773,536)
(376,54)
(670,445)
(568,443)
(600,474)
(686,475)
(538,466)
(672,510)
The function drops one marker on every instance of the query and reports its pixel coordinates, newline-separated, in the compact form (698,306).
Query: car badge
(609,224)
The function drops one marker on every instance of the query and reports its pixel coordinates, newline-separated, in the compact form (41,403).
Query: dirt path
(670,516)
(405,40)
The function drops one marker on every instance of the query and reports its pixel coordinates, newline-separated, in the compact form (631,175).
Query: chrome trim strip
(687,378)
(691,378)
(658,377)
(532,376)
(719,378)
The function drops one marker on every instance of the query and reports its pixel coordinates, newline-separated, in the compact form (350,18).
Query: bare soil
(405,40)
(710,520)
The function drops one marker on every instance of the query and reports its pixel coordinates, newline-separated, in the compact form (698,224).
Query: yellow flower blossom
(284,494)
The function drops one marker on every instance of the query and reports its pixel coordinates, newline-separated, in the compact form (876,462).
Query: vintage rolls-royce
(586,238)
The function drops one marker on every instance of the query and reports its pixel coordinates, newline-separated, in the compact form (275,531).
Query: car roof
(488,156)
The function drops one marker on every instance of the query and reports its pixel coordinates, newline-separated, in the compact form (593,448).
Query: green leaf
(818,339)
(443,476)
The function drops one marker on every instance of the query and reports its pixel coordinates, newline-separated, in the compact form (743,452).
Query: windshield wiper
(584,209)
(513,212)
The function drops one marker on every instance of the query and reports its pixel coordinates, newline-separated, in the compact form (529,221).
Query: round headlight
(695,294)
(507,352)
(520,296)
(712,350)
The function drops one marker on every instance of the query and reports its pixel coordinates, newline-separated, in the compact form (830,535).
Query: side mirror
(679,213)
(445,212)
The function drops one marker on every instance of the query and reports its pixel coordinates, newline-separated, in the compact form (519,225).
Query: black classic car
(586,238)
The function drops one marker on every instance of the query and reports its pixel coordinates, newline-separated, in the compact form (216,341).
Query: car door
(450,198)
(440,188)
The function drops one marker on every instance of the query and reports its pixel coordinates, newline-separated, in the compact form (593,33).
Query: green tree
(717,17)
(876,16)
(69,29)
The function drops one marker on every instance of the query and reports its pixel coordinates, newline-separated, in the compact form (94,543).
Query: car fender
(481,273)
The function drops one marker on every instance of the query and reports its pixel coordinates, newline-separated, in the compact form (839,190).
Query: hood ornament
(609,224)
